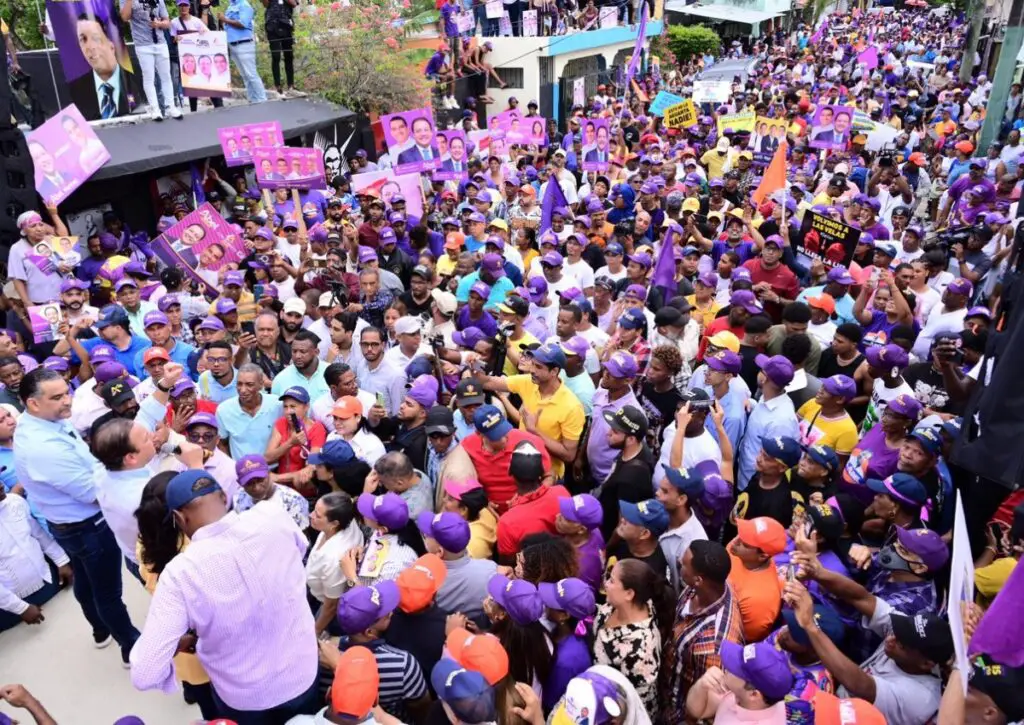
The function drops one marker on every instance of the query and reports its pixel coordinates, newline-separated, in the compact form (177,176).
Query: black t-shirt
(929,388)
(421,634)
(656,559)
(749,369)
(776,503)
(660,409)
(801,491)
(629,481)
(414,308)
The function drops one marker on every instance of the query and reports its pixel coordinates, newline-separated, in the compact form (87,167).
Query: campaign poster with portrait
(410,139)
(487,142)
(66,250)
(201,239)
(388,185)
(203,60)
(825,239)
(289,168)
(831,127)
(101,79)
(767,134)
(237,142)
(454,153)
(521,129)
(596,149)
(45,320)
(66,153)
(530,23)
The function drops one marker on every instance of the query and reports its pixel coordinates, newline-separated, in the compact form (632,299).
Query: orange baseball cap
(454,240)
(964,147)
(762,533)
(154,353)
(824,301)
(917,159)
(419,583)
(831,710)
(528,190)
(356,683)
(481,653)
(347,407)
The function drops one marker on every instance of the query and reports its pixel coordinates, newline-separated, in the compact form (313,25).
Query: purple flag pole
(634,60)
(554,198)
(665,267)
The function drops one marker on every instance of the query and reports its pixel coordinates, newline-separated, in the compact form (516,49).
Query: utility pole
(976,12)
(1005,70)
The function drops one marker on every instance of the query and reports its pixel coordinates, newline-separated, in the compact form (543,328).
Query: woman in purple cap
(395,542)
(515,609)
(570,604)
(877,453)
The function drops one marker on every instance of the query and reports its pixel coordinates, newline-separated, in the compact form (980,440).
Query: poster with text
(45,321)
(452,145)
(608,17)
(289,168)
(530,23)
(388,186)
(579,93)
(101,79)
(202,239)
(237,142)
(203,59)
(744,121)
(823,238)
(663,100)
(830,127)
(714,92)
(596,144)
(410,139)
(66,153)
(681,115)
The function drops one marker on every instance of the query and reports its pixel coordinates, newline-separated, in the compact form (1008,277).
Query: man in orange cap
(418,625)
(354,690)
(482,653)
(753,577)
(831,710)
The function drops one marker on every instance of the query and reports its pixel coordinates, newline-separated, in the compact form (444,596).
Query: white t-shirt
(823,333)
(938,321)
(695,450)
(614,276)
(926,302)
(582,271)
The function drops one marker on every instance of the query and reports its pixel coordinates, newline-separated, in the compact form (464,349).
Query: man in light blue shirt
(722,368)
(772,417)
(158,330)
(837,285)
(238,24)
(218,382)
(246,422)
(55,467)
(114,328)
(306,370)
(379,376)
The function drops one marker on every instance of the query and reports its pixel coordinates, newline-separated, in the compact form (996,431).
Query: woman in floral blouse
(629,627)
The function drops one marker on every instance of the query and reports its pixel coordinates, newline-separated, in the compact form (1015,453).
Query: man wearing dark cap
(995,694)
(629,479)
(242,574)
(119,398)
(446,460)
(768,493)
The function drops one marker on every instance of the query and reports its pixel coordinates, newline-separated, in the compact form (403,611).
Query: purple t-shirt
(448,11)
(878,331)
(572,656)
(434,64)
(591,560)
(871,458)
(720,247)
(485,324)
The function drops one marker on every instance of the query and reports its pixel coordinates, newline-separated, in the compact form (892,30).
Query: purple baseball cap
(841,385)
(840,275)
(155,318)
(389,510)
(538,287)
(107,371)
(423,390)
(202,419)
(225,306)
(125,282)
(469,337)
(649,187)
(708,279)
(249,467)
(138,269)
(887,357)
(636,291)
(72,283)
(386,236)
(576,345)
(581,509)
(905,405)
(747,300)
(265,234)
(518,597)
(926,544)
(621,365)
(570,595)
(552,259)
(167,301)
(741,273)
(101,354)
(234,277)
(360,607)
(54,362)
(211,323)
(776,368)
(182,386)
(961,286)
(760,665)
(481,288)
(979,311)
(641,258)
(367,254)
(448,529)
(289,223)
(725,361)
(494,265)
(477,218)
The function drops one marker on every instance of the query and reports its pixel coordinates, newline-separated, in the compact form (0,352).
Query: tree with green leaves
(689,40)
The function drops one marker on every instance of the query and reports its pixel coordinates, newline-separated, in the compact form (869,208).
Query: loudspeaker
(17,184)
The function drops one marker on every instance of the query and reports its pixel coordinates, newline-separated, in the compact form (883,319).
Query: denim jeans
(305,704)
(244,58)
(96,561)
(39,597)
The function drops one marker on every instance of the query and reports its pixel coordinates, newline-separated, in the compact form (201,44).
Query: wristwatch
(163,389)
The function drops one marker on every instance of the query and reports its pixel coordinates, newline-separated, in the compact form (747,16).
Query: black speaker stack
(17,173)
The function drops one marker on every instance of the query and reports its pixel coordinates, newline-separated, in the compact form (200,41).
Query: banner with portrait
(530,23)
(410,139)
(237,142)
(596,150)
(289,168)
(201,239)
(203,60)
(830,127)
(767,134)
(45,321)
(97,68)
(388,185)
(66,153)
(487,142)
(713,92)
(454,155)
(825,239)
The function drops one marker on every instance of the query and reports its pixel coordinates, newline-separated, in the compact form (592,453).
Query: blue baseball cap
(762,666)
(632,319)
(687,480)
(490,423)
(928,439)
(902,487)
(111,315)
(333,454)
(466,692)
(825,619)
(296,392)
(824,456)
(650,514)
(360,607)
(187,486)
(613,249)
(782,448)
(549,354)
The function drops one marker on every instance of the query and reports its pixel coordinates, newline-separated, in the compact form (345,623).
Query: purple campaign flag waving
(554,198)
(1000,633)
(665,267)
(634,60)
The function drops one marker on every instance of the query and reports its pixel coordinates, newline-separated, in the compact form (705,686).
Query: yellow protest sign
(681,115)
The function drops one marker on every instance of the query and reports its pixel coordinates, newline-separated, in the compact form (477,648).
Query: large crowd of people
(570,446)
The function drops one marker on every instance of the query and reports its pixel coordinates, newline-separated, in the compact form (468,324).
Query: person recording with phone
(296,435)
(148,20)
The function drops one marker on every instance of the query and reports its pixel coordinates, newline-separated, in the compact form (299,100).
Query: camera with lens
(887,157)
(436,341)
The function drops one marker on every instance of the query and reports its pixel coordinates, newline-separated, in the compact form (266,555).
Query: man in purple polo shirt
(614,393)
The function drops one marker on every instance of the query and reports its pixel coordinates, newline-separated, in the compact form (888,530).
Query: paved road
(76,682)
(727,69)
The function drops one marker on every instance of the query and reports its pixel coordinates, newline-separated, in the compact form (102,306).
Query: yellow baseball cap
(725,340)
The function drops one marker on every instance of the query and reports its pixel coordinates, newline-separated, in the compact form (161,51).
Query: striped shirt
(401,679)
(694,646)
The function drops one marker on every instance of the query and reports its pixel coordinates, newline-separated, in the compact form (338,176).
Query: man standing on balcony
(238,23)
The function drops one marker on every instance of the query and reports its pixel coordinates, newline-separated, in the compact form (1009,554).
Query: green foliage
(23,18)
(688,40)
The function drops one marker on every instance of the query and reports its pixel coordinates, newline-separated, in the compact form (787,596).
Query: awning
(141,147)
(728,13)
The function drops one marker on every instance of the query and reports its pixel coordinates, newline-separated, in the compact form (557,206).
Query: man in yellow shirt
(715,159)
(234,289)
(513,311)
(550,410)
(824,420)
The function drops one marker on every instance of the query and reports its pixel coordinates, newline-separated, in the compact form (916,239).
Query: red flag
(774,176)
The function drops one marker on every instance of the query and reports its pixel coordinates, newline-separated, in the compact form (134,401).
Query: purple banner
(238,142)
(66,153)
(97,67)
(868,58)
(452,145)
(200,245)
(411,141)
(596,149)
(634,60)
(831,126)
(289,168)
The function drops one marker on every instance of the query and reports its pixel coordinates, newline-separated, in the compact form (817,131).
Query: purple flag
(554,198)
(887,107)
(1000,633)
(634,61)
(868,58)
(198,195)
(665,267)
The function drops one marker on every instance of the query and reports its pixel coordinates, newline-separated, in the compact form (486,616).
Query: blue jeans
(96,561)
(39,597)
(244,58)
(305,704)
